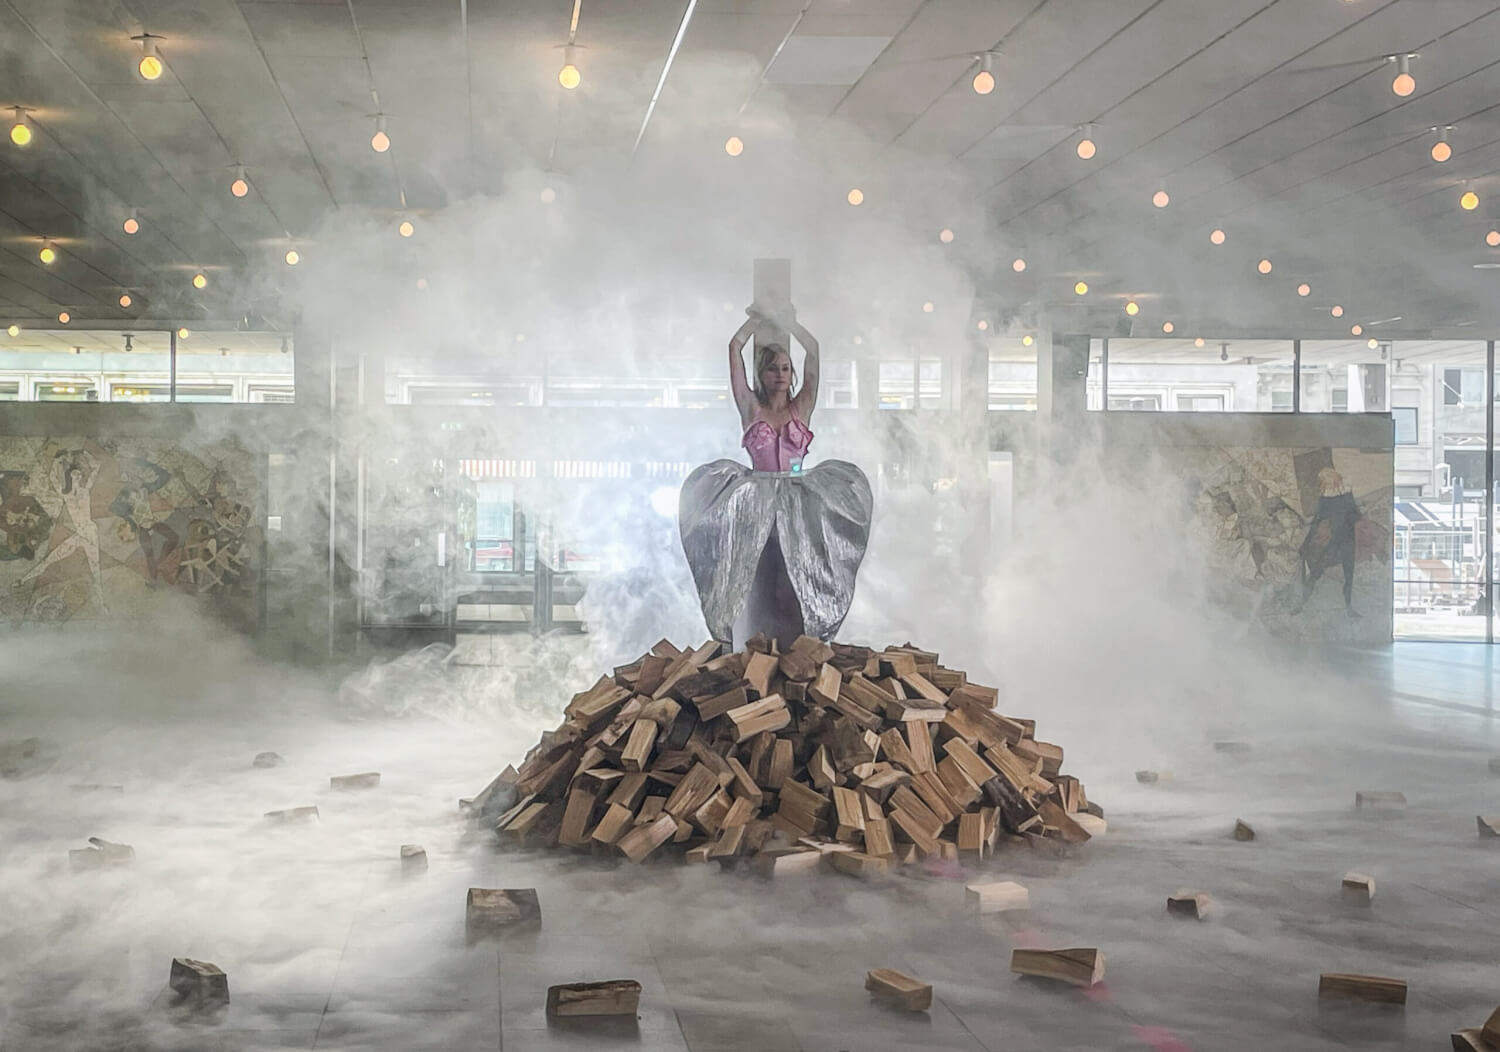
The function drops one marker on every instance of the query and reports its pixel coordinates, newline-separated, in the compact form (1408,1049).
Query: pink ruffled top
(772,450)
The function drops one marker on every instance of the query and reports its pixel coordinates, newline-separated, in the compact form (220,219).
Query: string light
(1081,288)
(150,66)
(1304,289)
(48,254)
(1492,239)
(1132,308)
(20,131)
(1405,83)
(548,195)
(1468,200)
(380,141)
(132,225)
(1160,199)
(984,80)
(1356,330)
(1264,266)
(1199,342)
(200,280)
(568,76)
(14,330)
(927,307)
(946,237)
(1372,343)
(1441,150)
(1218,237)
(241,186)
(1336,311)
(183,334)
(856,196)
(64,317)
(406,229)
(1168,328)
(1018,266)
(734,146)
(1086,145)
(1028,340)
(983,326)
(125,300)
(292,257)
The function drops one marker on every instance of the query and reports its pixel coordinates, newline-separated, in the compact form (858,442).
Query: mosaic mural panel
(95,529)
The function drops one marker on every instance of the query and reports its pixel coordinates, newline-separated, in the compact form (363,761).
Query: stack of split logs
(863,757)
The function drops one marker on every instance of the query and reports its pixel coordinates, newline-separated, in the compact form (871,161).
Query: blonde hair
(765,356)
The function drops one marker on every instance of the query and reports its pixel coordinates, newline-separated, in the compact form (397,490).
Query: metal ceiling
(1273,119)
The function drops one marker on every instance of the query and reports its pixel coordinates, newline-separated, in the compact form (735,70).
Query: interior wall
(1282,506)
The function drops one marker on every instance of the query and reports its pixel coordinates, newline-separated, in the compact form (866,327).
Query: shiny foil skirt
(743,531)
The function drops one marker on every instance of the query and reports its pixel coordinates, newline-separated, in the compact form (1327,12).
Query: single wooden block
(497,911)
(1491,1029)
(858,864)
(1080,966)
(849,815)
(365,780)
(267,759)
(1242,830)
(1239,748)
(1362,988)
(101,853)
(617,819)
(998,897)
(294,814)
(641,841)
(613,997)
(1091,825)
(413,859)
(798,666)
(1152,777)
(697,855)
(878,840)
(574,831)
(638,745)
(1190,904)
(1358,889)
(782,762)
(200,982)
(1489,825)
(1370,800)
(1470,1040)
(785,861)
(767,714)
(898,990)
(820,769)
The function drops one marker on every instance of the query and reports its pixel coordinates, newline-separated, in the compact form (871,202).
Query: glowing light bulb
(1132,308)
(1304,289)
(1355,330)
(927,307)
(856,196)
(14,330)
(64,317)
(421,283)
(858,340)
(406,229)
(1087,148)
(1081,288)
(1441,151)
(150,67)
(1405,83)
(241,186)
(984,82)
(1218,237)
(200,281)
(183,334)
(1160,199)
(1168,328)
(1468,201)
(1336,311)
(47,255)
(292,257)
(1198,342)
(1264,266)
(1018,266)
(132,225)
(20,131)
(125,299)
(1027,340)
(734,146)
(568,76)
(380,142)
(983,326)
(946,237)
(1492,239)
(1372,343)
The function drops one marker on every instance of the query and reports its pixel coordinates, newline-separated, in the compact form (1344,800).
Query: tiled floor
(328,947)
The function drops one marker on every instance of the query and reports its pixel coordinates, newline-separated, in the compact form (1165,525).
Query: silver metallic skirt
(740,527)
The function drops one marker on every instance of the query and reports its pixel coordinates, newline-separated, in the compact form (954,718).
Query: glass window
(1135,403)
(1222,376)
(898,385)
(224,366)
(1012,374)
(1406,425)
(930,379)
(1200,403)
(837,386)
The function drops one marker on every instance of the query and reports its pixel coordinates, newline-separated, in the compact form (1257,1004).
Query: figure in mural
(214,556)
(780,544)
(24,523)
(139,479)
(1330,539)
(73,474)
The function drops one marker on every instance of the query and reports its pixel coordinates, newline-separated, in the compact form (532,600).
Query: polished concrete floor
(327,946)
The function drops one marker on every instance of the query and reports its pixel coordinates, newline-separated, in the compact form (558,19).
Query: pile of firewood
(868,757)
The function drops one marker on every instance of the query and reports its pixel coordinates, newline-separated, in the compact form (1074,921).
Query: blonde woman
(774,548)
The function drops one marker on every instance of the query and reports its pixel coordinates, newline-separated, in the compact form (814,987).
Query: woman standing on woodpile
(777,543)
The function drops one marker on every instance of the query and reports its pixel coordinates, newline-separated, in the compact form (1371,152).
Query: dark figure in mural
(138,480)
(24,523)
(1330,538)
(214,556)
(777,543)
(73,474)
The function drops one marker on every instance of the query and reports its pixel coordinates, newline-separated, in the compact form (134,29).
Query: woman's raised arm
(744,397)
(807,397)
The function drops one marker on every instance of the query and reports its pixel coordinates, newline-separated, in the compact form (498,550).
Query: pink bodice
(771,450)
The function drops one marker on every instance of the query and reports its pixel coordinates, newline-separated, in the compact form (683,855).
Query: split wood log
(899,990)
(613,997)
(1080,966)
(1362,988)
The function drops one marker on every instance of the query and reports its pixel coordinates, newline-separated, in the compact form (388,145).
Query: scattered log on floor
(1083,966)
(100,854)
(198,983)
(998,897)
(293,814)
(500,911)
(1489,825)
(899,990)
(1470,1040)
(364,780)
(1242,830)
(1362,988)
(1358,888)
(267,759)
(413,859)
(1379,800)
(1189,904)
(613,997)
(1233,747)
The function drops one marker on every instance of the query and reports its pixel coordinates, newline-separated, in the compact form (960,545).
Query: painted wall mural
(106,529)
(1300,537)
